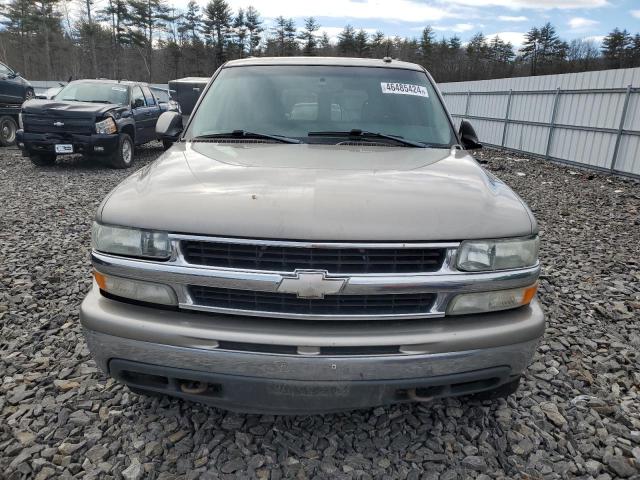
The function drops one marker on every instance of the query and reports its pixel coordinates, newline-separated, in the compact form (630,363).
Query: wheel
(8,127)
(123,156)
(42,159)
(503,391)
(29,94)
(166,144)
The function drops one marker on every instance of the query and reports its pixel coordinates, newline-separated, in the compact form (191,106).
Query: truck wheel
(123,156)
(42,159)
(503,391)
(8,127)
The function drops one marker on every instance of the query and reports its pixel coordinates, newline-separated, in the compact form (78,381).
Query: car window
(108,92)
(295,100)
(136,93)
(148,96)
(4,70)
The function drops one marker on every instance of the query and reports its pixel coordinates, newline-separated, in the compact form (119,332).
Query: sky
(510,19)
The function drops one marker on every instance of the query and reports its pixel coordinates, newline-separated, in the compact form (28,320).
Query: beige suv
(318,238)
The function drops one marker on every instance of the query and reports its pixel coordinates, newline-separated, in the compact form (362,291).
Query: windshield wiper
(245,134)
(358,134)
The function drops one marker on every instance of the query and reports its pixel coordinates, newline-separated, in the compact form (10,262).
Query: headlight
(136,289)
(108,125)
(482,302)
(500,254)
(130,242)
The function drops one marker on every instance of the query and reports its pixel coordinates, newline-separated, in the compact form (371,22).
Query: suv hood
(67,109)
(318,192)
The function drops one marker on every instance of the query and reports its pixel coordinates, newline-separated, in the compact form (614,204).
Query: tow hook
(194,388)
(414,397)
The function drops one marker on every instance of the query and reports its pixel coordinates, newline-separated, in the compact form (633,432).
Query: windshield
(293,101)
(95,92)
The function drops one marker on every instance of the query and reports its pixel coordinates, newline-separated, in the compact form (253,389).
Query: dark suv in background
(97,118)
(13,88)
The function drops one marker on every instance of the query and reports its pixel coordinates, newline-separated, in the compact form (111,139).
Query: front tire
(42,159)
(8,127)
(123,156)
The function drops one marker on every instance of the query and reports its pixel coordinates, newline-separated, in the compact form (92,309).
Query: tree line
(148,40)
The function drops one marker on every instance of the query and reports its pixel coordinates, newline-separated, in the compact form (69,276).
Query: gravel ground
(576,415)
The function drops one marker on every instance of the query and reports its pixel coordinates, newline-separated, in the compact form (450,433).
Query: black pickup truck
(98,118)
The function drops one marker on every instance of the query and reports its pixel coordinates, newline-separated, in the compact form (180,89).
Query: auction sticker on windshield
(404,89)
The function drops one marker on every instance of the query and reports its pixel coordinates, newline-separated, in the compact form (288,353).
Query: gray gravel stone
(576,415)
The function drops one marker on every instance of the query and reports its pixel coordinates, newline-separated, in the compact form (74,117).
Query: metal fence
(559,124)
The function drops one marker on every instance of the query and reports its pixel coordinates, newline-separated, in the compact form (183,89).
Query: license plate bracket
(64,148)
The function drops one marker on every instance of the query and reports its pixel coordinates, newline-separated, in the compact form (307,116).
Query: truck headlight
(482,302)
(106,126)
(130,242)
(499,254)
(136,289)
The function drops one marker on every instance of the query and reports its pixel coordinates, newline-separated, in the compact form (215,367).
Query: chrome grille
(45,124)
(340,305)
(268,257)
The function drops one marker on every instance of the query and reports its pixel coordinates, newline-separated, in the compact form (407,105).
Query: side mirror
(169,126)
(138,102)
(468,136)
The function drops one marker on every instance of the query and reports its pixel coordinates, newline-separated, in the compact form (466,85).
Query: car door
(139,109)
(11,88)
(153,111)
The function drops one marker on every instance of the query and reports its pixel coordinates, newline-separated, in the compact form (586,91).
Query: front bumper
(452,356)
(95,144)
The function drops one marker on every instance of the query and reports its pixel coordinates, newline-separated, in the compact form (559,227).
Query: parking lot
(577,413)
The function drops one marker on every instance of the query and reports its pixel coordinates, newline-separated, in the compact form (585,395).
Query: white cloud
(594,38)
(635,13)
(581,23)
(508,18)
(458,27)
(515,38)
(398,10)
(533,4)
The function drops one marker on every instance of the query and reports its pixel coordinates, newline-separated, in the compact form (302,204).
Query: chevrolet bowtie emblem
(58,124)
(311,284)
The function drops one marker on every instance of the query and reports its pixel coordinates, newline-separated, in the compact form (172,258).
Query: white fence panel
(591,119)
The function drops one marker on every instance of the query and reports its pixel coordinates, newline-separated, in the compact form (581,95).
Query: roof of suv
(332,61)
(108,80)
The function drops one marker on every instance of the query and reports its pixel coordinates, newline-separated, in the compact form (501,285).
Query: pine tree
(21,22)
(240,32)
(217,24)
(427,46)
(309,37)
(615,47)
(254,27)
(361,44)
(347,42)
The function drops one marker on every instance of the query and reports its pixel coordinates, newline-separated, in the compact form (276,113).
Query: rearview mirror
(169,126)
(468,136)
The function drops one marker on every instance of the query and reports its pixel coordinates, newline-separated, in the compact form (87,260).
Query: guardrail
(593,128)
